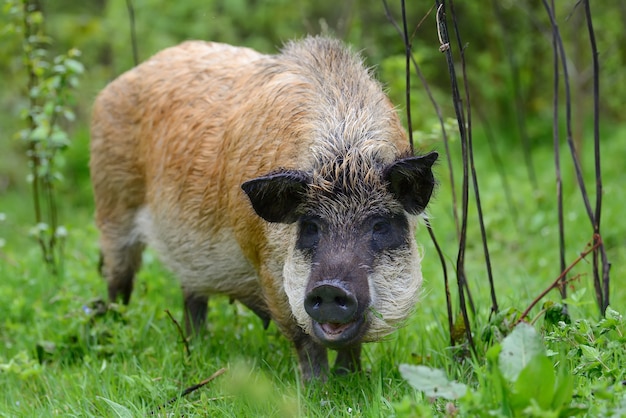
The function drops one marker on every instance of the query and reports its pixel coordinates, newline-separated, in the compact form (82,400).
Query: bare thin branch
(446,283)
(568,113)
(591,247)
(601,297)
(437,109)
(460,114)
(407,71)
(180,332)
(133,31)
(557,160)
(598,170)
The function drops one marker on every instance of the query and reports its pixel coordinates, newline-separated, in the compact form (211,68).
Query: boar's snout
(331,303)
(333,309)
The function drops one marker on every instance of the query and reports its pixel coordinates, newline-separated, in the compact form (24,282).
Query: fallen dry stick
(191,389)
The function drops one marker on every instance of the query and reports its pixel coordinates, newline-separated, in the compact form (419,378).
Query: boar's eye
(309,228)
(388,232)
(381,227)
(308,234)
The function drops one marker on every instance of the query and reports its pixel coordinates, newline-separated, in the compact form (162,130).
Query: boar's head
(352,269)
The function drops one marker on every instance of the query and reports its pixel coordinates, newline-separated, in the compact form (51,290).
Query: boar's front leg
(258,306)
(312,357)
(348,360)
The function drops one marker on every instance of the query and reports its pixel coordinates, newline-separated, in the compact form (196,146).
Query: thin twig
(469,157)
(545,309)
(133,33)
(601,298)
(557,160)
(407,72)
(460,115)
(598,170)
(422,21)
(446,283)
(408,54)
(180,332)
(597,241)
(446,142)
(191,389)
(568,113)
(437,109)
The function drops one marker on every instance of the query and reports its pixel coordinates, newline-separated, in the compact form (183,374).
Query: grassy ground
(63,353)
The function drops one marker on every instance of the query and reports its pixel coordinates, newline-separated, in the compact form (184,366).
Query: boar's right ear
(275,197)
(411,181)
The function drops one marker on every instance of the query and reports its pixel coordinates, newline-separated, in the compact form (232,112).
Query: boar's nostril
(330,303)
(316,302)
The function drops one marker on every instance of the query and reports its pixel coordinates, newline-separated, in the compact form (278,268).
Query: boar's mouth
(336,335)
(337,315)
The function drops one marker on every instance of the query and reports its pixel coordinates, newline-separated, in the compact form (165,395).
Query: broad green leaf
(612,319)
(577,298)
(589,353)
(74,66)
(433,382)
(564,389)
(535,382)
(518,349)
(613,314)
(59,139)
(40,133)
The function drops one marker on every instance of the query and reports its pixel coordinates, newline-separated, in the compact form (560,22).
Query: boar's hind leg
(119,261)
(348,360)
(196,307)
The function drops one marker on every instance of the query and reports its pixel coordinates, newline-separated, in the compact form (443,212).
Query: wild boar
(285,182)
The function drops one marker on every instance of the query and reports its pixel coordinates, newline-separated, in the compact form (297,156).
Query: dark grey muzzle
(330,302)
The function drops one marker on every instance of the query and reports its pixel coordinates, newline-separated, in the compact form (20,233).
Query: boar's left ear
(275,197)
(411,181)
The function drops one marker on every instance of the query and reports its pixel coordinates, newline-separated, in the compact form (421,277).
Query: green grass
(59,356)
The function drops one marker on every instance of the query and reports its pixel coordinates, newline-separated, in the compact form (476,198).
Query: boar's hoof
(333,309)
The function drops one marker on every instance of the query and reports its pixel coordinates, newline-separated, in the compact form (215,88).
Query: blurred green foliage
(509,64)
(508,48)
(507,44)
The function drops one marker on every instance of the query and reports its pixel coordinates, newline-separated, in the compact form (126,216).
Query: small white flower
(61,232)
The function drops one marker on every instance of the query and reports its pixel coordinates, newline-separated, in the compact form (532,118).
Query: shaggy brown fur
(174,139)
